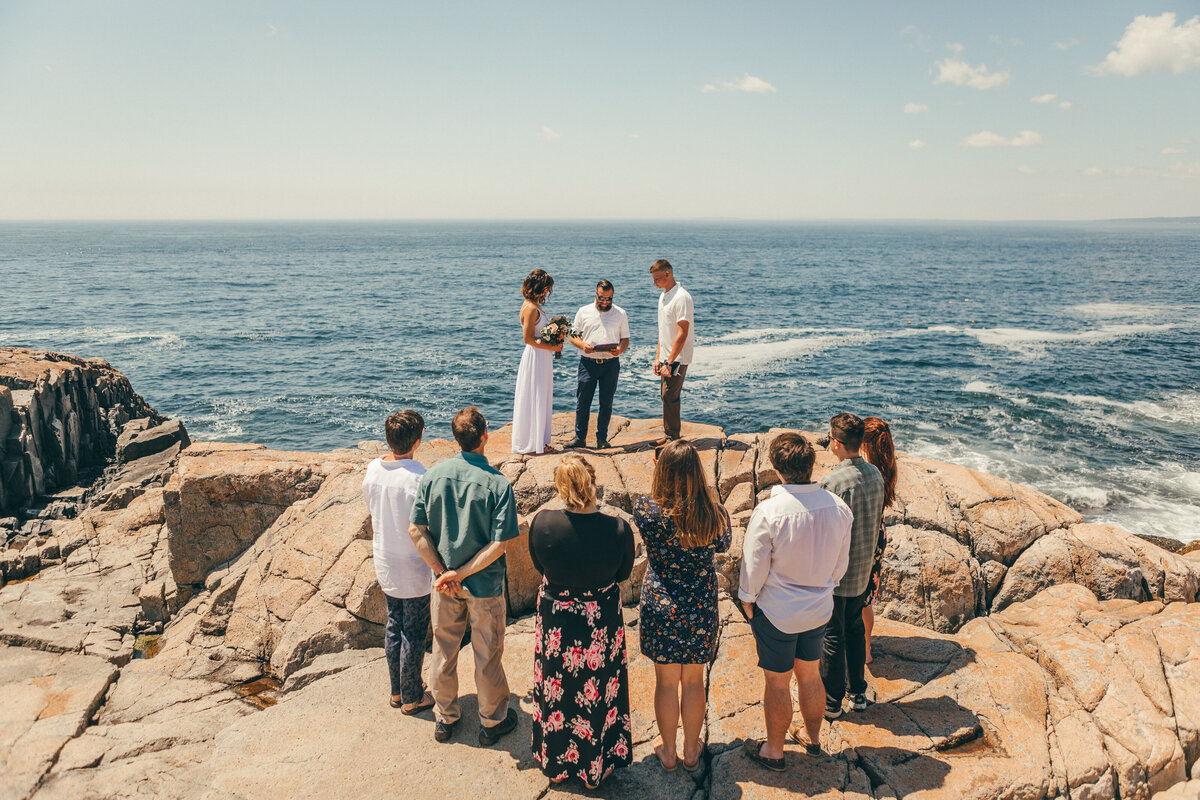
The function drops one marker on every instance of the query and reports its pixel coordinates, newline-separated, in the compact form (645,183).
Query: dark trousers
(672,389)
(592,372)
(845,654)
(404,645)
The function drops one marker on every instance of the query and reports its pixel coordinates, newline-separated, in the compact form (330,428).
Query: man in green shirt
(463,514)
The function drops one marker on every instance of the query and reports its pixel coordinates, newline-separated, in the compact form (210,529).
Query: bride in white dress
(534,401)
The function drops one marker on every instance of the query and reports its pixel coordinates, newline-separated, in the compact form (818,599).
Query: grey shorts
(778,650)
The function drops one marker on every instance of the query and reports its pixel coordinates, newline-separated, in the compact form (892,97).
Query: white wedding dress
(534,400)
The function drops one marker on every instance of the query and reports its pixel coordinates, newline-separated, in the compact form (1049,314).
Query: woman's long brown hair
(878,448)
(680,488)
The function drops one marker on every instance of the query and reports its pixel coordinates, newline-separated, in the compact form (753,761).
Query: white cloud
(1025,169)
(1191,170)
(1154,44)
(548,134)
(989,139)
(747,83)
(1065,104)
(959,73)
(1066,44)
(955,47)
(635,136)
(1049,97)
(1093,171)
(1173,151)
(272,30)
(915,144)
(915,37)
(915,108)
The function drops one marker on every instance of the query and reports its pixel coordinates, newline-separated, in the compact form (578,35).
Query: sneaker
(602,444)
(833,712)
(860,702)
(575,443)
(489,736)
(443,731)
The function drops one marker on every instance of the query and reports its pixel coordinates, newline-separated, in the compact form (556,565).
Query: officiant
(601,332)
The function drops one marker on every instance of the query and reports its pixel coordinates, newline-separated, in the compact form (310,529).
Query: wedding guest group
(581,722)
(463,514)
(601,332)
(797,547)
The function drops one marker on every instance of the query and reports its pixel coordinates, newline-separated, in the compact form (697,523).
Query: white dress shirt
(797,547)
(601,327)
(675,306)
(389,489)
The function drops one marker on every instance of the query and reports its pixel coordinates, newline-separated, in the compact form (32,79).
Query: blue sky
(1026,110)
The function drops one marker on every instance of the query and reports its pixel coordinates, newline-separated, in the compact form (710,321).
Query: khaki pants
(672,388)
(449,616)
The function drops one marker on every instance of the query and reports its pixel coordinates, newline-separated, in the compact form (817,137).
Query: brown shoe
(797,734)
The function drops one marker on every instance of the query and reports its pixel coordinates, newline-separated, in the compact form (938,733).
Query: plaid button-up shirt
(860,485)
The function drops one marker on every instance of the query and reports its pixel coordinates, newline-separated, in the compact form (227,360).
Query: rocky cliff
(1023,653)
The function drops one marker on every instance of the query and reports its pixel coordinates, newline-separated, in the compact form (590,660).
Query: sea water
(1062,356)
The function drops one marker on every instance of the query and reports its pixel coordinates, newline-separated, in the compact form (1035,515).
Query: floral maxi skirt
(581,724)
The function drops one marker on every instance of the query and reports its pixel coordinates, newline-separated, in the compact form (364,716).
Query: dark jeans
(672,389)
(845,653)
(592,372)
(404,645)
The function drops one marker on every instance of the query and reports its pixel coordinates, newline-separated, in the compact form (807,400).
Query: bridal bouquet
(556,332)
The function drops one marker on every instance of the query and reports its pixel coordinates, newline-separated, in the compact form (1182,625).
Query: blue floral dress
(678,610)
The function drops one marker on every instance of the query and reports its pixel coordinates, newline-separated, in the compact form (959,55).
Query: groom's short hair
(469,426)
(792,457)
(662,265)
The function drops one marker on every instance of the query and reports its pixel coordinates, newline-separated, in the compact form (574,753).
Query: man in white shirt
(389,489)
(796,550)
(602,334)
(676,334)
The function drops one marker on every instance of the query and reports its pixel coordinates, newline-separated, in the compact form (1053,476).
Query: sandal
(695,765)
(418,708)
(658,748)
(794,734)
(753,750)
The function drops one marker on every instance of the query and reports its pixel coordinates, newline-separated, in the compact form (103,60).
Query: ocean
(1062,356)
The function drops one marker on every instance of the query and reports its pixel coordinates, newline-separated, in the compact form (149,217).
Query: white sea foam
(95,335)
(724,360)
(760,334)
(995,390)
(1034,343)
(1123,310)
(1178,408)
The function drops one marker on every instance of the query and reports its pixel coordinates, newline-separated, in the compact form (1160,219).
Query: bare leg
(812,697)
(777,709)
(666,711)
(868,624)
(692,706)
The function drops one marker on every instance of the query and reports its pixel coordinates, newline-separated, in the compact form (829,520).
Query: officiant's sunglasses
(607,297)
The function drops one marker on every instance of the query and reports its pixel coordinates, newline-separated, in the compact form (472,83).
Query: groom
(601,332)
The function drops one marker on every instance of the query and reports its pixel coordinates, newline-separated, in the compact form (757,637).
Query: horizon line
(1156,218)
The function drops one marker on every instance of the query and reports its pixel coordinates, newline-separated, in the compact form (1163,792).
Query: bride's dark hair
(537,285)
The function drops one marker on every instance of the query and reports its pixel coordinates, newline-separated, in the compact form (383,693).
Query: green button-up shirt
(467,505)
(859,483)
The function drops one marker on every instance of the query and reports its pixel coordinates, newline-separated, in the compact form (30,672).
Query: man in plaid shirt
(860,485)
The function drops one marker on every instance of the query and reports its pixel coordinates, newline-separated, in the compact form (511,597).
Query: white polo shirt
(796,550)
(601,327)
(675,306)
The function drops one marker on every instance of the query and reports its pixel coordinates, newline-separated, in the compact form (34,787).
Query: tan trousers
(449,616)
(672,388)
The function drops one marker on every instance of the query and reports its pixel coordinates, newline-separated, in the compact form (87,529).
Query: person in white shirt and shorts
(601,332)
(797,548)
(389,489)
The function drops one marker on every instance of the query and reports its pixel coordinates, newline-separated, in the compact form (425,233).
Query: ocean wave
(982,387)
(1124,310)
(759,334)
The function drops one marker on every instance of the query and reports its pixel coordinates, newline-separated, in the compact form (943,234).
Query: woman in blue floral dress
(682,526)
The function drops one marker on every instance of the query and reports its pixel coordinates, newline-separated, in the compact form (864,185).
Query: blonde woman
(581,724)
(682,526)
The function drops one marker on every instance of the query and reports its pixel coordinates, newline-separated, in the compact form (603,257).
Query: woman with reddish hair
(879,450)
